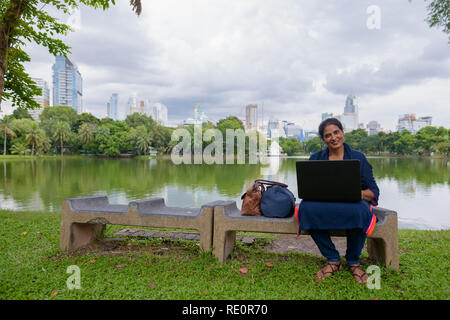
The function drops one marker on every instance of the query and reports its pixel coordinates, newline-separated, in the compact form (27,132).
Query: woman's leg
(326,246)
(355,243)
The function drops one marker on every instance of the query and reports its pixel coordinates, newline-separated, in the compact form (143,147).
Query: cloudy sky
(297,58)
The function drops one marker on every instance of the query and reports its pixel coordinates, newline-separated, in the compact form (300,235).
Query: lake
(417,188)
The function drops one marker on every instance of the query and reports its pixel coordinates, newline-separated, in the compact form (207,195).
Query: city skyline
(298,59)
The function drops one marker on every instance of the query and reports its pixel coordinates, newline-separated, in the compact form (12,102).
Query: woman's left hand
(367,195)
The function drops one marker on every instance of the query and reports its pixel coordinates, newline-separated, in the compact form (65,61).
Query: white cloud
(299,58)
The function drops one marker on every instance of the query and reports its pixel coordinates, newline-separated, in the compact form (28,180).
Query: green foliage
(290,146)
(313,145)
(439,14)
(424,142)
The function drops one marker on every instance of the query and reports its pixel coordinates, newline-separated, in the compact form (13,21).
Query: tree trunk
(32,149)
(7,28)
(61,141)
(4,141)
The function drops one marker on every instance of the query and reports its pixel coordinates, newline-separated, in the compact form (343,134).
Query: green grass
(33,267)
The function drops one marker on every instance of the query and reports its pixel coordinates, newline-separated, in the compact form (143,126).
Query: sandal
(358,273)
(330,269)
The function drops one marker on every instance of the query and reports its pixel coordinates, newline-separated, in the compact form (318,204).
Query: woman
(356,218)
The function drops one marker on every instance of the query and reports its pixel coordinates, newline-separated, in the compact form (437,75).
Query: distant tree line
(426,141)
(61,130)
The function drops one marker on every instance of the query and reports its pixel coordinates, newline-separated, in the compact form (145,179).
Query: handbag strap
(271,183)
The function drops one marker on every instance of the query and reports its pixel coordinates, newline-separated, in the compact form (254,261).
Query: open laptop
(329,180)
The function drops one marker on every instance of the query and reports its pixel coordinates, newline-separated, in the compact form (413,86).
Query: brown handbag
(251,200)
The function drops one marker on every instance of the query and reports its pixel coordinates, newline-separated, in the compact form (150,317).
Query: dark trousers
(355,244)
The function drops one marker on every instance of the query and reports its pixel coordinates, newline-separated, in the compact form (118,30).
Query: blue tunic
(341,215)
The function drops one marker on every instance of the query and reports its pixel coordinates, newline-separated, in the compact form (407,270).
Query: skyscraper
(251,117)
(132,104)
(350,105)
(350,118)
(112,106)
(159,113)
(67,84)
(43,99)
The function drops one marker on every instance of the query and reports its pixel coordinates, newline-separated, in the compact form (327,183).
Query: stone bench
(382,244)
(84,219)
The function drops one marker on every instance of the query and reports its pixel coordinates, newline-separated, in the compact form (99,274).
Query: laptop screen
(329,180)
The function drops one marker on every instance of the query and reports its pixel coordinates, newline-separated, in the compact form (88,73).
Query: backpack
(277,202)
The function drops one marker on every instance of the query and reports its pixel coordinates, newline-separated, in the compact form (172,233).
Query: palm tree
(62,133)
(45,145)
(7,129)
(35,137)
(143,142)
(19,148)
(102,132)
(86,132)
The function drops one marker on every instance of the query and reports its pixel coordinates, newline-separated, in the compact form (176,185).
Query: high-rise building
(411,123)
(113,106)
(43,99)
(293,131)
(67,84)
(350,105)
(132,104)
(373,127)
(251,117)
(159,113)
(326,115)
(350,118)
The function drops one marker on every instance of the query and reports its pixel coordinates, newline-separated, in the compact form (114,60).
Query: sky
(296,59)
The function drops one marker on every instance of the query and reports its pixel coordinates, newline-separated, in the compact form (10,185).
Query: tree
(313,145)
(35,137)
(26,21)
(51,115)
(7,129)
(86,132)
(62,133)
(136,119)
(21,113)
(143,139)
(290,145)
(84,118)
(439,14)
(19,148)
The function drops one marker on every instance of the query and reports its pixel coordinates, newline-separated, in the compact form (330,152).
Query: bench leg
(383,244)
(76,235)
(230,239)
(384,252)
(223,244)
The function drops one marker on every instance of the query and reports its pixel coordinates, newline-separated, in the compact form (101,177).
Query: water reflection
(418,189)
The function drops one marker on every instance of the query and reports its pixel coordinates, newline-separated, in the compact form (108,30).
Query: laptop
(329,180)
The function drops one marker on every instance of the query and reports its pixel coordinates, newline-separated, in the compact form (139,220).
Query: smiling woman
(355,218)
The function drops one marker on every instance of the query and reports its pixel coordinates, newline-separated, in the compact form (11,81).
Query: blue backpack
(277,202)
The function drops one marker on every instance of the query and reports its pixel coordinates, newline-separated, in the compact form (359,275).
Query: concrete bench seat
(84,219)
(382,244)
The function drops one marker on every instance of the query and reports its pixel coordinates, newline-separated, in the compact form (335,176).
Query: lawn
(33,267)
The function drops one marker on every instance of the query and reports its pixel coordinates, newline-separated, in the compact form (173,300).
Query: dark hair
(327,122)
